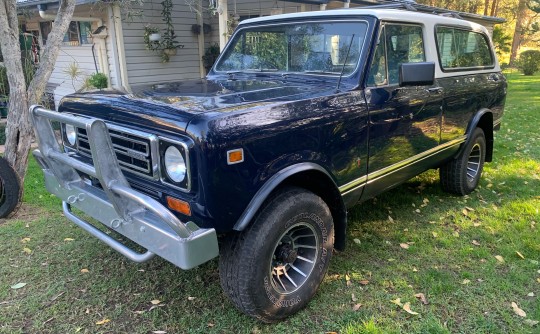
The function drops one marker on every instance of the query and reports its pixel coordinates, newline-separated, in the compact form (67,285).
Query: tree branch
(52,48)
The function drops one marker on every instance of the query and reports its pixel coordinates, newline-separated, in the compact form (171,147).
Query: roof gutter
(51,17)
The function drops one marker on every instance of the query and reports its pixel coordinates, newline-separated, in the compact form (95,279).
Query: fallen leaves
(356,307)
(422,298)
(407,308)
(518,311)
(404,245)
(520,255)
(466,281)
(103,322)
(499,258)
(85,271)
(155,302)
(364,282)
(531,322)
(25,240)
(476,243)
(69,239)
(434,234)
(27,250)
(357,241)
(18,286)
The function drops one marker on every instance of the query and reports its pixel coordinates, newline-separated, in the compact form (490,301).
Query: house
(106,38)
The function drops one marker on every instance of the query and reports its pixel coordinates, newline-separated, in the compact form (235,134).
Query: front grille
(133,151)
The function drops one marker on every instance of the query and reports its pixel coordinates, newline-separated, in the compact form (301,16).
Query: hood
(178,102)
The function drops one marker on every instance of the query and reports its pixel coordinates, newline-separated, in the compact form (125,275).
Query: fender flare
(270,185)
(473,124)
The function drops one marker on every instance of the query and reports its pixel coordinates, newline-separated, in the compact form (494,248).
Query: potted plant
(210,55)
(168,44)
(98,80)
(152,37)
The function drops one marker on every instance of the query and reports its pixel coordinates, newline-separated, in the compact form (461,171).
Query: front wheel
(273,269)
(461,175)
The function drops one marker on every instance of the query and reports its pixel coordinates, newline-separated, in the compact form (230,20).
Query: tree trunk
(494,7)
(19,131)
(486,7)
(518,31)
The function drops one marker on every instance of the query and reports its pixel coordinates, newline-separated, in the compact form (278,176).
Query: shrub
(529,62)
(98,80)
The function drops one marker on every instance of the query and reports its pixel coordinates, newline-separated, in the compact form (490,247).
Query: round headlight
(175,165)
(71,134)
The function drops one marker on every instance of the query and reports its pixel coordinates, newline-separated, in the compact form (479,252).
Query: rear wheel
(274,268)
(461,175)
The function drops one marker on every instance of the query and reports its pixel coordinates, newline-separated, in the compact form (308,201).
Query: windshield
(326,48)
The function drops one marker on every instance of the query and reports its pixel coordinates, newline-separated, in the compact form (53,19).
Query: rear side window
(463,49)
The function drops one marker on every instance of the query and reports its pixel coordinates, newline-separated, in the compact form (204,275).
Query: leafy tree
(19,131)
(501,40)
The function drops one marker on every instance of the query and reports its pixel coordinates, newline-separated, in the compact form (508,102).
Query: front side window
(397,44)
(462,49)
(326,48)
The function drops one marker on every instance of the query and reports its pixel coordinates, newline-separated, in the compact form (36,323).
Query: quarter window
(462,49)
(398,44)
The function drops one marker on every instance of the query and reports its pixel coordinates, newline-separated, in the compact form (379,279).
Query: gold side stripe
(357,183)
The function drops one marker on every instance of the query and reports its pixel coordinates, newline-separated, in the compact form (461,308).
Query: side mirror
(416,74)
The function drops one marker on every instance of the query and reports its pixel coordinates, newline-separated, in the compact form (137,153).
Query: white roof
(382,14)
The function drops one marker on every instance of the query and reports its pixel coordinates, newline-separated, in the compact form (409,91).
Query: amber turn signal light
(235,156)
(178,205)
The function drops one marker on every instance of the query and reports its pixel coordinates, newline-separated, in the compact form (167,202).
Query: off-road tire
(248,259)
(10,189)
(461,175)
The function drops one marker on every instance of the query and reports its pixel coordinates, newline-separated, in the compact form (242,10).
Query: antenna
(344,63)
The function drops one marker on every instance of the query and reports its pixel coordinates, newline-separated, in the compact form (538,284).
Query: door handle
(493,77)
(435,90)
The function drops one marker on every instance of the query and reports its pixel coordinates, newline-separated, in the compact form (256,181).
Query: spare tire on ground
(10,189)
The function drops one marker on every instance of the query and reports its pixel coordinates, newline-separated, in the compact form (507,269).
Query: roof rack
(414,6)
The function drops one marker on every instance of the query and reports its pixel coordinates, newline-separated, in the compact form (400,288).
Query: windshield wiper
(319,72)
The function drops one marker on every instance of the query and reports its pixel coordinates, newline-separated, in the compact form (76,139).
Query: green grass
(58,298)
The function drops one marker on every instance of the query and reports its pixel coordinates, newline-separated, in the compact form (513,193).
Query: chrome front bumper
(117,206)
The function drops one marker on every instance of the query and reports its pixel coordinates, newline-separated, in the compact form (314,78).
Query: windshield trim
(241,28)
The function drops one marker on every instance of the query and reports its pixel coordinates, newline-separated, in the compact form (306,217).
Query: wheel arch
(483,119)
(309,176)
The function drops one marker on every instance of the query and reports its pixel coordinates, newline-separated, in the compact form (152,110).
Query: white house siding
(145,66)
(60,79)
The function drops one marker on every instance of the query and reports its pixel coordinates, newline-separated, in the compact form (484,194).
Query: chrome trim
(188,164)
(116,205)
(145,139)
(370,177)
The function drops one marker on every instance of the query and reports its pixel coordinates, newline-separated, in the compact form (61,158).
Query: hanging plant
(151,38)
(169,44)
(165,42)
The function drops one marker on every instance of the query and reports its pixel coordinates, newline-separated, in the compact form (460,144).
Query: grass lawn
(413,239)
